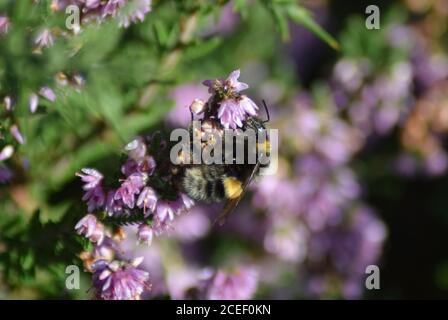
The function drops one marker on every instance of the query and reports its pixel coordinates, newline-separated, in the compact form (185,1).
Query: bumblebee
(214,183)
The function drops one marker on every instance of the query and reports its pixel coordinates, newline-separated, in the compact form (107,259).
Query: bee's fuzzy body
(215,183)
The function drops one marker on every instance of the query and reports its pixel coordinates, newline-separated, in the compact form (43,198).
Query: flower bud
(197,106)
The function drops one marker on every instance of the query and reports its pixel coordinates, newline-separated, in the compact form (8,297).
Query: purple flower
(113,206)
(191,226)
(106,250)
(287,238)
(238,285)
(228,87)
(17,134)
(47,93)
(282,190)
(147,200)
(164,211)
(130,188)
(118,280)
(95,198)
(94,195)
(186,201)
(136,149)
(197,106)
(346,249)
(5,174)
(182,204)
(146,165)
(4,25)
(436,163)
(91,228)
(129,167)
(44,39)
(33,102)
(111,7)
(232,112)
(136,13)
(145,234)
(125,11)
(91,177)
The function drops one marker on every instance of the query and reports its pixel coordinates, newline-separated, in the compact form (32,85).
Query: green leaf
(303,17)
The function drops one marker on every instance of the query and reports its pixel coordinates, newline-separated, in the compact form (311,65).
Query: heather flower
(184,202)
(322,191)
(47,93)
(4,25)
(350,74)
(91,177)
(6,152)
(126,11)
(375,102)
(233,112)
(136,13)
(17,134)
(287,239)
(119,280)
(284,192)
(106,250)
(227,87)
(240,284)
(129,167)
(130,188)
(113,206)
(436,163)
(322,132)
(164,211)
(347,249)
(181,279)
(136,149)
(147,200)
(191,226)
(33,102)
(197,106)
(233,107)
(111,7)
(5,174)
(91,228)
(145,234)
(146,165)
(95,198)
(44,39)
(94,195)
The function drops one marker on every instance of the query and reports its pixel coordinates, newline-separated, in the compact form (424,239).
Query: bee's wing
(231,204)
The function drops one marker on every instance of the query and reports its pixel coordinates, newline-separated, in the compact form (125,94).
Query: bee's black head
(256,123)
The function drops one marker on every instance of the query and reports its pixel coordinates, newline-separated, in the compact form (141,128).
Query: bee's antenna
(192,116)
(267,111)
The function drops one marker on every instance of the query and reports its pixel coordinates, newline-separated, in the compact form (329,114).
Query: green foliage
(372,44)
(128,74)
(282,10)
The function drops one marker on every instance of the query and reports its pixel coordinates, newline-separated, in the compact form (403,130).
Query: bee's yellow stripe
(232,187)
(264,146)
